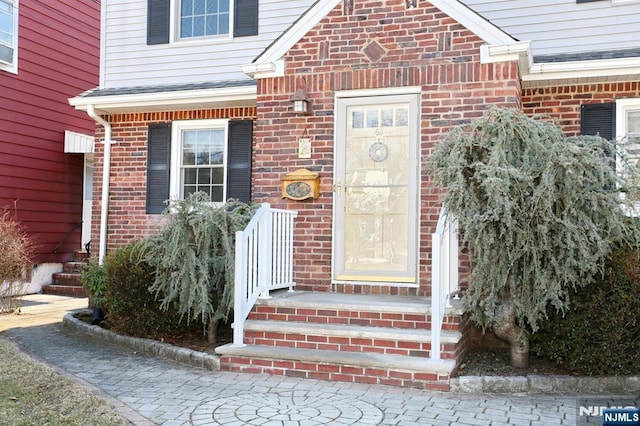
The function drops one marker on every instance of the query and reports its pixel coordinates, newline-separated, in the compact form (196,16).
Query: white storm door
(87,201)
(376,189)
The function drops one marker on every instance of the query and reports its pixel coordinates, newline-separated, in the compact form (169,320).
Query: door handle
(337,187)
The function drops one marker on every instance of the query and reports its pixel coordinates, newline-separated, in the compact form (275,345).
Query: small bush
(16,257)
(600,332)
(131,308)
(94,282)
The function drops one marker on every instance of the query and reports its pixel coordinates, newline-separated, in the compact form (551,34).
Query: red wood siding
(58,58)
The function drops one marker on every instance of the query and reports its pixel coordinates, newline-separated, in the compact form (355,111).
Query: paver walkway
(155,391)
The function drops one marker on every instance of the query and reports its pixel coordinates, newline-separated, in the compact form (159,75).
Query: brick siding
(128,220)
(562,103)
(369,45)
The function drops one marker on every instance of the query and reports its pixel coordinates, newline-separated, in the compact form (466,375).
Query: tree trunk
(507,329)
(212,331)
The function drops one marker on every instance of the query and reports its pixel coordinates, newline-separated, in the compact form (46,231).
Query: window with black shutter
(200,19)
(198,160)
(158,166)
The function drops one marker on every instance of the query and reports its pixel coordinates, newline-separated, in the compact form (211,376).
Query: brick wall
(128,220)
(562,103)
(369,45)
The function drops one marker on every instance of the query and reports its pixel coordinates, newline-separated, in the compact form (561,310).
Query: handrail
(264,262)
(62,241)
(444,275)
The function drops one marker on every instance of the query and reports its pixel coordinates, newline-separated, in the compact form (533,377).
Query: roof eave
(169,100)
(547,73)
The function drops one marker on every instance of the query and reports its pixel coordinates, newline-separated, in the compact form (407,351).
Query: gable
(267,60)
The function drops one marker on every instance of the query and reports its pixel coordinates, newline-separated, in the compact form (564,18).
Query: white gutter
(552,71)
(106,169)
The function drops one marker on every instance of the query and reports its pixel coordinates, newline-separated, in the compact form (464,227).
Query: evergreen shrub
(600,331)
(131,308)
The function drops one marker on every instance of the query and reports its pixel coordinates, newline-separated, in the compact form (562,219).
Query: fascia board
(298,30)
(583,69)
(184,98)
(473,21)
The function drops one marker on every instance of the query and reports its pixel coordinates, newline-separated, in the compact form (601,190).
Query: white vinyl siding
(556,27)
(128,61)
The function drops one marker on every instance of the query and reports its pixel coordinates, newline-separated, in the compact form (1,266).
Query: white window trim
(174,27)
(620,2)
(175,189)
(622,107)
(13,66)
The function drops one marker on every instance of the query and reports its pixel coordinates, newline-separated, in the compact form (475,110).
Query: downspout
(106,170)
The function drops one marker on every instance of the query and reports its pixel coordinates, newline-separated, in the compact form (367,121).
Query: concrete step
(358,367)
(361,332)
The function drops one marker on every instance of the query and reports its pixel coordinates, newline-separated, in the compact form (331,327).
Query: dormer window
(176,20)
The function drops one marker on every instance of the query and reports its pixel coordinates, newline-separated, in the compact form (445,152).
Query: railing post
(239,290)
(265,254)
(435,296)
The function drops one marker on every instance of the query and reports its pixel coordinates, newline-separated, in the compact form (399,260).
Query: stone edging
(536,384)
(147,346)
(533,384)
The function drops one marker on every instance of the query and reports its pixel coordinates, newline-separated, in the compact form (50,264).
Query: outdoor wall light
(301,102)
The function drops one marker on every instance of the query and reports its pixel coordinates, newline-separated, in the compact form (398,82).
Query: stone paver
(150,390)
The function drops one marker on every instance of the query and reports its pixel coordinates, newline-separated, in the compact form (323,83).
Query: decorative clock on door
(300,185)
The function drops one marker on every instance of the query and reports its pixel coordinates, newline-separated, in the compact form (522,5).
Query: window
(186,156)
(200,19)
(8,35)
(198,158)
(628,131)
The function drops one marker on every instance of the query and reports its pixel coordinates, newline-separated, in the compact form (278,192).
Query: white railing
(264,262)
(444,275)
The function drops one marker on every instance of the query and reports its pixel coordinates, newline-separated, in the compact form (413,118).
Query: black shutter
(239,160)
(598,119)
(158,166)
(246,18)
(158,16)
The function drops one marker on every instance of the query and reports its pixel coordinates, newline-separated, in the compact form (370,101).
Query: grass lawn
(32,393)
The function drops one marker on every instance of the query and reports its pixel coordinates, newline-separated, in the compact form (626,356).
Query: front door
(376,189)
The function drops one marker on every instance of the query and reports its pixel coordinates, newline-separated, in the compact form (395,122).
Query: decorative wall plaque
(300,185)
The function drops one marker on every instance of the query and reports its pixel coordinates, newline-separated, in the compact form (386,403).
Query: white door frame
(343,99)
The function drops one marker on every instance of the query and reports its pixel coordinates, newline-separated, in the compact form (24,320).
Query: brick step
(348,338)
(67,279)
(73,267)
(64,290)
(352,309)
(371,368)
